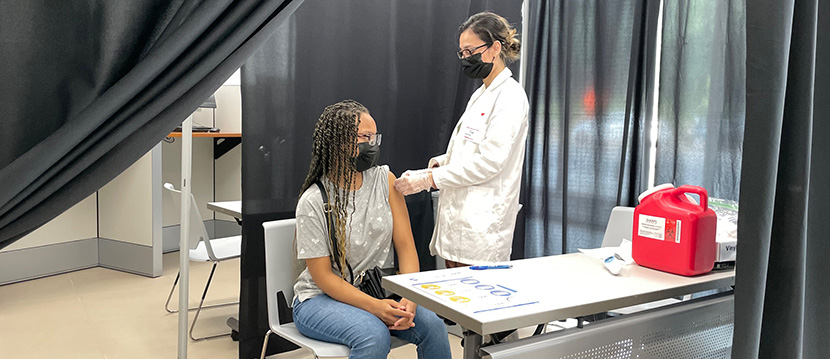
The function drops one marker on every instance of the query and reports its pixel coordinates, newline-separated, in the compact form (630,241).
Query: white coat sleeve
(493,151)
(439,160)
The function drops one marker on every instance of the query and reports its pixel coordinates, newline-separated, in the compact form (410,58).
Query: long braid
(334,145)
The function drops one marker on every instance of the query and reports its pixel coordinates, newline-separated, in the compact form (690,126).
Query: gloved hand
(412,182)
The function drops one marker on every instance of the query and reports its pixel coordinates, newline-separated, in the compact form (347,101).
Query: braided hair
(332,156)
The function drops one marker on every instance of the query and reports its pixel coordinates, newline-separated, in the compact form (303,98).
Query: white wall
(229,109)
(125,205)
(78,222)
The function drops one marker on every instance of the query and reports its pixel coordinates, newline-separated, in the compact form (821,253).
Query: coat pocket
(481,210)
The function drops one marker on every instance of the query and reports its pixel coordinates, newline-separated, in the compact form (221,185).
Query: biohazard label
(659,228)
(673,230)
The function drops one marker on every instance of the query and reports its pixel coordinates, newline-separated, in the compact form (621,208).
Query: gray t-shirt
(370,235)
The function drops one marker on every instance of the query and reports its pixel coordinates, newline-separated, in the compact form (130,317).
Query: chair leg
(170,296)
(167,304)
(199,308)
(265,344)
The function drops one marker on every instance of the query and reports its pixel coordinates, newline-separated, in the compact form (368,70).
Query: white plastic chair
(279,280)
(203,249)
(620,226)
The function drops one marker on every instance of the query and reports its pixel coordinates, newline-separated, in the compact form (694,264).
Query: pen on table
(500,266)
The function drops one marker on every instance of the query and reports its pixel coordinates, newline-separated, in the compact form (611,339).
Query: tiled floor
(102,313)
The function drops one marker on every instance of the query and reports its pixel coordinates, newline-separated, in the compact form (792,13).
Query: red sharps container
(672,233)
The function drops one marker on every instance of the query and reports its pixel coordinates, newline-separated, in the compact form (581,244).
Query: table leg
(472,344)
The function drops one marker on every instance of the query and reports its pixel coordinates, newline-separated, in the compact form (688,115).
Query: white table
(231,208)
(540,290)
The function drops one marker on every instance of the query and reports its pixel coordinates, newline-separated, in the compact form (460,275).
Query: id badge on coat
(473,130)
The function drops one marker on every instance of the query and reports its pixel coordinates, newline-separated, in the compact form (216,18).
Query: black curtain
(397,58)
(782,278)
(88,87)
(587,72)
(702,95)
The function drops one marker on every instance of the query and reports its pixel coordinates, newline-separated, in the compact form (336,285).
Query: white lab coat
(480,176)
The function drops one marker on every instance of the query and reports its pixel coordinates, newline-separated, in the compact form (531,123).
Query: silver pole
(184,248)
(524,36)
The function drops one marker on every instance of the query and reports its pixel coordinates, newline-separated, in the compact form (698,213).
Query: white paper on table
(624,251)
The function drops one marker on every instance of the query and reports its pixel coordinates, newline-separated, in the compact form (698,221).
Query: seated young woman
(369,217)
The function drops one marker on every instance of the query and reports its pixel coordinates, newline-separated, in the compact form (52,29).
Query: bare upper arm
(320,270)
(397,203)
(401,230)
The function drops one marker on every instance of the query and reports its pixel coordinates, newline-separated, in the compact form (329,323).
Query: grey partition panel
(700,328)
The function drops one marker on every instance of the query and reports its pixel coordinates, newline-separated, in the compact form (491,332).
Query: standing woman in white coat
(480,174)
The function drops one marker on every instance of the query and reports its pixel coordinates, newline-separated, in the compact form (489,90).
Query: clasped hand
(396,315)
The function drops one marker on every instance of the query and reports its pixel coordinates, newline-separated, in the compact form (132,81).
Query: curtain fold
(92,87)
(702,95)
(782,280)
(586,78)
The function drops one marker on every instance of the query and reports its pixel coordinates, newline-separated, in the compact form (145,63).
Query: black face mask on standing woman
(475,68)
(367,156)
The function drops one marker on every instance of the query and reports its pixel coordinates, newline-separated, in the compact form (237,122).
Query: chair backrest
(620,225)
(279,265)
(198,232)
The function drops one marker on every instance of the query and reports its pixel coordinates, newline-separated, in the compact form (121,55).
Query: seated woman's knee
(374,334)
(371,340)
(428,319)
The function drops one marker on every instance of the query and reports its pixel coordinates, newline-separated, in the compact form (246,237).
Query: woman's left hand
(405,323)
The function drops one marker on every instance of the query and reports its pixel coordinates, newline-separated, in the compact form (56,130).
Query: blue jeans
(327,319)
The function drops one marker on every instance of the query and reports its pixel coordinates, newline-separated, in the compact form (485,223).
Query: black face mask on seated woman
(367,156)
(475,68)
